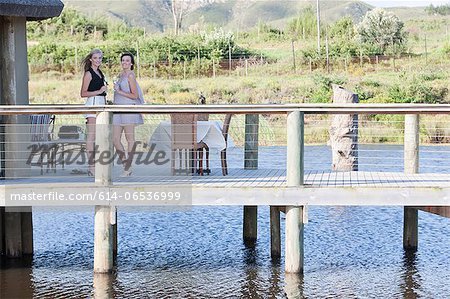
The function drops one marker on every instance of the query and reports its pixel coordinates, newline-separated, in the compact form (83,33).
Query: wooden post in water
(2,231)
(250,228)
(27,230)
(411,165)
(275,232)
(344,133)
(13,234)
(295,172)
(103,286)
(103,238)
(114,232)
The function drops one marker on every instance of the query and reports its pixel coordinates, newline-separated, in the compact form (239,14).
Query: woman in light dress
(126,92)
(93,88)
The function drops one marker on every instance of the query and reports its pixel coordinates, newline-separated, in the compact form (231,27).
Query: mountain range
(155,15)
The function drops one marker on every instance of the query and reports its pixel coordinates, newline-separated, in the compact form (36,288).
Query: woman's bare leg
(117,141)
(129,135)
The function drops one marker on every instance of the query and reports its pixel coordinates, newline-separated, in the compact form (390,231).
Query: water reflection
(261,282)
(275,288)
(16,278)
(250,288)
(103,286)
(411,282)
(293,286)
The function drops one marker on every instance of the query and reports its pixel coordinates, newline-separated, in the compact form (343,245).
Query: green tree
(383,29)
(305,25)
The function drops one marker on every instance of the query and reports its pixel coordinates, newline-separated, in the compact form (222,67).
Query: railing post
(295,176)
(411,165)
(411,144)
(103,238)
(250,229)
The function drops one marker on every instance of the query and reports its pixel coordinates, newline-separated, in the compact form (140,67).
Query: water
(350,252)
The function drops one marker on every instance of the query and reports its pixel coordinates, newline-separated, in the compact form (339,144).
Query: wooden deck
(267,187)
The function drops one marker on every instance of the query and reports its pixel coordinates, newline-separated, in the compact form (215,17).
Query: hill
(155,16)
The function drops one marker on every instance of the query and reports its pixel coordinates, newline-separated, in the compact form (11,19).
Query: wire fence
(379,148)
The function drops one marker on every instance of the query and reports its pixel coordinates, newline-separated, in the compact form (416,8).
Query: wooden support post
(103,238)
(14,91)
(27,231)
(2,231)
(275,239)
(8,60)
(103,249)
(250,229)
(294,240)
(9,91)
(103,286)
(114,233)
(295,176)
(13,234)
(410,228)
(411,165)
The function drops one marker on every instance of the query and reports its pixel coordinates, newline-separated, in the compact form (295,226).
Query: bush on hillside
(383,29)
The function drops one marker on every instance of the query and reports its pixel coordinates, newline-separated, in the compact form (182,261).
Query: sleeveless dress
(127,118)
(96,83)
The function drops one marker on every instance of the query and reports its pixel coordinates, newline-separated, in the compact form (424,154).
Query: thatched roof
(31,9)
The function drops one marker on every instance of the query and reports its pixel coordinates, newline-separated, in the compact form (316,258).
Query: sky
(383,3)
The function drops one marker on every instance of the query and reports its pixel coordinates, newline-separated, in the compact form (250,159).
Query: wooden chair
(184,141)
(223,154)
(41,130)
(73,138)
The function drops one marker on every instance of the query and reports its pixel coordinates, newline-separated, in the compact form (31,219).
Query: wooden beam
(441,211)
(254,196)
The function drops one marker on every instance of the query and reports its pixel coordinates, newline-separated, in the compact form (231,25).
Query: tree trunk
(344,133)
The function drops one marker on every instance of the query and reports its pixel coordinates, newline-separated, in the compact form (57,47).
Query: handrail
(235,109)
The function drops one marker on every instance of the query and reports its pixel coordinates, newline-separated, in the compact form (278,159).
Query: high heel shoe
(90,173)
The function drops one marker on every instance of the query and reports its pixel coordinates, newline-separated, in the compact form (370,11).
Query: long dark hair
(86,63)
(131,56)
